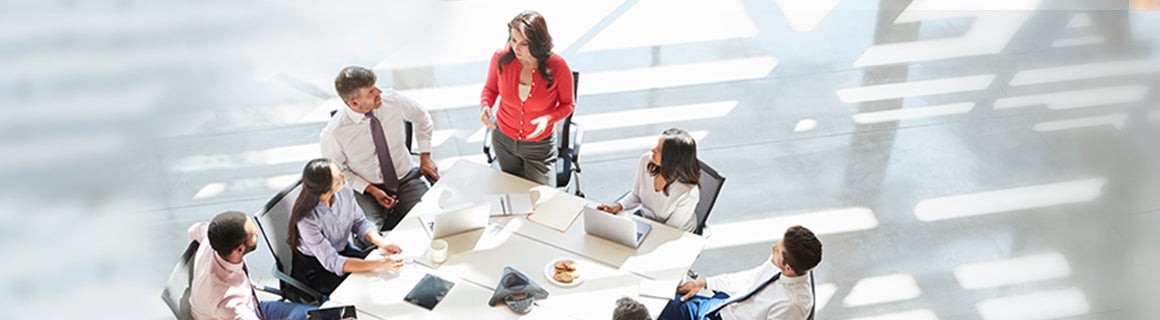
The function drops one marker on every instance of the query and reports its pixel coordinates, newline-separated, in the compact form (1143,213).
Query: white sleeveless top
(525,90)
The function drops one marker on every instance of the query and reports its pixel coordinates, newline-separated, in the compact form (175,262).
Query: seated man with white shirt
(367,139)
(777,289)
(221,287)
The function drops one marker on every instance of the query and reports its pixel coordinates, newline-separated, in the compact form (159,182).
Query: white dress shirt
(676,209)
(786,298)
(220,289)
(347,139)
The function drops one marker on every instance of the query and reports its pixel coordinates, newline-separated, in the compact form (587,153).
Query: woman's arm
(491,87)
(564,87)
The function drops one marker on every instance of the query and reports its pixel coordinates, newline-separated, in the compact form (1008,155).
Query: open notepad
(510,203)
(554,209)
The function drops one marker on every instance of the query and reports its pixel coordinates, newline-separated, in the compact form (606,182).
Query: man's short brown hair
(803,251)
(351,79)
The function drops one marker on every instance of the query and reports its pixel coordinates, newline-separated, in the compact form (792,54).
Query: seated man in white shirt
(367,139)
(777,289)
(221,286)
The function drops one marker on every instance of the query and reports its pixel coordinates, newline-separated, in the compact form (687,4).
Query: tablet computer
(429,291)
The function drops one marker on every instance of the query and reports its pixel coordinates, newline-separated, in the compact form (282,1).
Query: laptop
(619,229)
(456,219)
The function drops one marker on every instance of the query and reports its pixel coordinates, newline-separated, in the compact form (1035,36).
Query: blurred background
(959,159)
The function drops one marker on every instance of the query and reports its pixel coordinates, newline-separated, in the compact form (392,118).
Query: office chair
(711,182)
(178,288)
(274,222)
(814,293)
(569,135)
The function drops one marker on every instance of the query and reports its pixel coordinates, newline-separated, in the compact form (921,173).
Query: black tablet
(429,291)
(336,313)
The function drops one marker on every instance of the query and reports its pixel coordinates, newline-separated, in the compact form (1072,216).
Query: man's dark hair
(227,231)
(352,78)
(629,309)
(803,251)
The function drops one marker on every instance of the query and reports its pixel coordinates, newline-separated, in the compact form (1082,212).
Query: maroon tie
(390,179)
(257,304)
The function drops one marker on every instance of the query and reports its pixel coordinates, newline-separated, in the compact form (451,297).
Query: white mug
(438,251)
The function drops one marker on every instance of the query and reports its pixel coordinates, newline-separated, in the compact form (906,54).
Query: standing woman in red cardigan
(534,89)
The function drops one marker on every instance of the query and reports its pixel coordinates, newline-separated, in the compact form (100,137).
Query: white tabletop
(476,260)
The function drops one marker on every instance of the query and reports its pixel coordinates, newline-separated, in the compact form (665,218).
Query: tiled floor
(959,159)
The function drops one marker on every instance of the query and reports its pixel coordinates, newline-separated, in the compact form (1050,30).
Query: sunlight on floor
(1017,270)
(676,75)
(882,289)
(820,222)
(1076,98)
(920,314)
(1114,120)
(1008,200)
(915,88)
(1034,306)
(641,144)
(913,113)
(667,22)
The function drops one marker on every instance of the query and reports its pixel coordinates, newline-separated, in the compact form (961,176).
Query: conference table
(476,259)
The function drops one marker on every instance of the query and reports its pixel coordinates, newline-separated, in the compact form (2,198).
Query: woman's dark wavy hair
(678,159)
(316,180)
(531,24)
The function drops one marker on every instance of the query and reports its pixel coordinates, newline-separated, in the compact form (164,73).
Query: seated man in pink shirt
(221,287)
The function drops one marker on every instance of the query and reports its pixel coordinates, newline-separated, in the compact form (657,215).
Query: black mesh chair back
(711,182)
(274,222)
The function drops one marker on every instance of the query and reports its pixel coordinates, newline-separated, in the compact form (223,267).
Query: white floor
(959,160)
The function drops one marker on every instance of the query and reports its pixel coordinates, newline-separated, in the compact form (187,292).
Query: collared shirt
(514,115)
(326,230)
(676,209)
(347,139)
(786,298)
(220,289)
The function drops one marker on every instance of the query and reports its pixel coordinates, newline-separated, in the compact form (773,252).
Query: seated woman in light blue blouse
(667,184)
(324,217)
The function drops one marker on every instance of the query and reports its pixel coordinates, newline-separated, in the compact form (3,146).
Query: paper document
(510,203)
(664,289)
(553,209)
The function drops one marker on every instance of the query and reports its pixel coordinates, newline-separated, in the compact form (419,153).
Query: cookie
(564,277)
(565,266)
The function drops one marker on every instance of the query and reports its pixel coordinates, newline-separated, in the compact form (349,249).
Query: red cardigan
(514,116)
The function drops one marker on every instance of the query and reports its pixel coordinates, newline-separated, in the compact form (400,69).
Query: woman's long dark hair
(316,180)
(531,24)
(678,159)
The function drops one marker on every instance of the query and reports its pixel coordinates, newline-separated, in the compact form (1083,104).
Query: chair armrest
(487,146)
(317,296)
(576,141)
(272,290)
(622,195)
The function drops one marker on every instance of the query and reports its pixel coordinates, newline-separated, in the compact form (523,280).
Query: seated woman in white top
(667,185)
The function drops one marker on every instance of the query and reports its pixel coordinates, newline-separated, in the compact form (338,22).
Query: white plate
(550,270)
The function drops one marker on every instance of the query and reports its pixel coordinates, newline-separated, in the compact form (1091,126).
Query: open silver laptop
(619,229)
(456,219)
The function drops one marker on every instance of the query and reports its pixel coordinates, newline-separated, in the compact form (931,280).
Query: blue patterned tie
(386,165)
(744,297)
